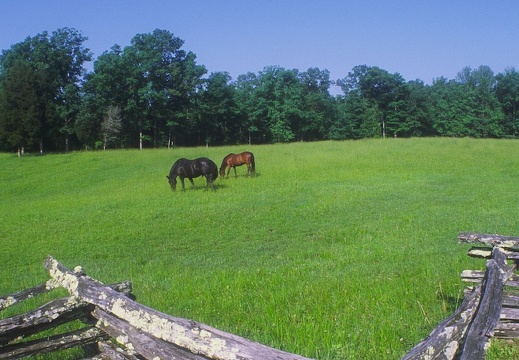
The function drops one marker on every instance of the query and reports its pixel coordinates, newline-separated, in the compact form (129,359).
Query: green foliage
(335,250)
(166,100)
(43,73)
(286,105)
(503,350)
(410,112)
(218,118)
(22,106)
(151,81)
(358,119)
(507,92)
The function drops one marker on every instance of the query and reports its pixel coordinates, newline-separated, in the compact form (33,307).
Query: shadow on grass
(241,176)
(190,188)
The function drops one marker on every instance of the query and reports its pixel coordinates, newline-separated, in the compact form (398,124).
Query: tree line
(153,93)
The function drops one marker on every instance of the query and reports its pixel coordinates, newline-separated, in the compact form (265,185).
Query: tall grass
(335,250)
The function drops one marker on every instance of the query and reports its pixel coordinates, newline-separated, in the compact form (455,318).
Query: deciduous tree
(218,113)
(54,68)
(111,125)
(23,107)
(374,85)
(162,77)
(507,92)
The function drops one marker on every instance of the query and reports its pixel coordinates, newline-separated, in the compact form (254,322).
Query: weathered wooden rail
(115,326)
(489,309)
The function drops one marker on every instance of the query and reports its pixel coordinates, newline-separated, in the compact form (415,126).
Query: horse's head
(222,172)
(172,182)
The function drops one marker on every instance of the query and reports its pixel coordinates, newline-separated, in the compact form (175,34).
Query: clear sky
(420,39)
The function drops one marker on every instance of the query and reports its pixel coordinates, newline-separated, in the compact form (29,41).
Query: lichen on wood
(489,239)
(187,334)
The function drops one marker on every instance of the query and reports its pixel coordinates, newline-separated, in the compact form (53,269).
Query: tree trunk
(383,127)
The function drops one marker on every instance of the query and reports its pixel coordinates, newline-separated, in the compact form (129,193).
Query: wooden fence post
(482,327)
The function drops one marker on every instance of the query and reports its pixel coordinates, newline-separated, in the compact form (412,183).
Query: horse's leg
(228,171)
(172,182)
(209,182)
(235,174)
(192,182)
(182,181)
(248,169)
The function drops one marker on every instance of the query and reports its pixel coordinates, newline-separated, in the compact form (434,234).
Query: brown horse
(233,160)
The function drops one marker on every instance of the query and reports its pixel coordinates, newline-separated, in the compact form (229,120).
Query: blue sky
(419,39)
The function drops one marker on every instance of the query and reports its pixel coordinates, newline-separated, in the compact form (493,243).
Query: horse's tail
(252,162)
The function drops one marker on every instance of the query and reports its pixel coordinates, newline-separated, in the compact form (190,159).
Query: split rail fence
(489,309)
(114,326)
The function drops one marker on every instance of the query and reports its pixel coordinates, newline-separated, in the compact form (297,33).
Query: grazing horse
(233,160)
(184,168)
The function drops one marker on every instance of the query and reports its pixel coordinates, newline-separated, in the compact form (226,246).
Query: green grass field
(335,250)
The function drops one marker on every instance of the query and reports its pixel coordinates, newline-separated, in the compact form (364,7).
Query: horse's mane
(225,159)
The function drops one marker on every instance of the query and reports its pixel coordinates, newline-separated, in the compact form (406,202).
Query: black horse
(184,168)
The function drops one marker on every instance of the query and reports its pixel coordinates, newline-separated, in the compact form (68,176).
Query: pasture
(334,250)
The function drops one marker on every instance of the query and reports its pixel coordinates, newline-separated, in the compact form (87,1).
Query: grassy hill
(335,250)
